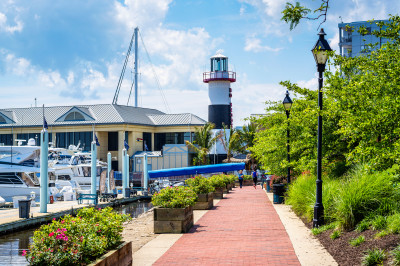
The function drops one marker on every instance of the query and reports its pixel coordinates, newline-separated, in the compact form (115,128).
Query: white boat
(18,180)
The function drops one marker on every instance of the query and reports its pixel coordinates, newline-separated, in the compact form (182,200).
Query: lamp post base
(318,215)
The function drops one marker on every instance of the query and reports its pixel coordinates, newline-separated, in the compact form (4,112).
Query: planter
(234,184)
(204,202)
(218,193)
(173,221)
(248,182)
(121,256)
(279,191)
(229,186)
(225,189)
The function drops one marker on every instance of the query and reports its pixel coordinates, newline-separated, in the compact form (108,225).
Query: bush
(374,257)
(379,223)
(393,223)
(364,193)
(76,240)
(247,177)
(357,241)
(217,181)
(363,225)
(174,197)
(200,184)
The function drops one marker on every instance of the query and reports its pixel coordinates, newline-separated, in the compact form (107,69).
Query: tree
(247,135)
(231,144)
(361,115)
(203,141)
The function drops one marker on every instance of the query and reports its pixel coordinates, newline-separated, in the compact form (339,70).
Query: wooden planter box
(204,202)
(234,184)
(248,182)
(218,193)
(173,221)
(121,256)
(229,187)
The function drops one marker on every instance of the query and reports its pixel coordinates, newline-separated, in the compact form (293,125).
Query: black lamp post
(320,52)
(287,104)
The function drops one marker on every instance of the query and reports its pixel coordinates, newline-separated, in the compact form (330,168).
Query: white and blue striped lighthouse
(219,81)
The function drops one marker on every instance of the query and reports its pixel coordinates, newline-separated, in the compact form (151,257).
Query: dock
(10,221)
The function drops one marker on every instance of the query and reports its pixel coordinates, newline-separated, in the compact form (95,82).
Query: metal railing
(219,75)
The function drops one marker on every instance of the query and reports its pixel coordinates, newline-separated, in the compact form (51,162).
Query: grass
(335,234)
(379,223)
(374,257)
(357,241)
(382,234)
(319,230)
(396,255)
(363,225)
(393,223)
(350,199)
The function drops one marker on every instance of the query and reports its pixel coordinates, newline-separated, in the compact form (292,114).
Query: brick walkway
(243,229)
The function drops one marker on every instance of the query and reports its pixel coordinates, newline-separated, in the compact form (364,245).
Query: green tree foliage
(293,13)
(360,115)
(203,141)
(231,141)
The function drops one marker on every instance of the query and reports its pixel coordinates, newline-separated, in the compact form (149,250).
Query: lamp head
(287,102)
(321,49)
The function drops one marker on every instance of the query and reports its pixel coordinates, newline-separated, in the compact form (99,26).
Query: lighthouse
(219,81)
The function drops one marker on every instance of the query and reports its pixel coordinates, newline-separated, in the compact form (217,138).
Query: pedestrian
(240,178)
(254,174)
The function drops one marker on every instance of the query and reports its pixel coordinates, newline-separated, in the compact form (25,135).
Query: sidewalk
(243,229)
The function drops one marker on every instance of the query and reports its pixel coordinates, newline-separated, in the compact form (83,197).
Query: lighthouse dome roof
(219,55)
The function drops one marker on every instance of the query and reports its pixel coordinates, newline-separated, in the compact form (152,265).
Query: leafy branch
(294,13)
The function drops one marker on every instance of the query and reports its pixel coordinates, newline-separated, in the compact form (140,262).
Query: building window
(113,141)
(83,139)
(74,116)
(35,136)
(146,141)
(5,139)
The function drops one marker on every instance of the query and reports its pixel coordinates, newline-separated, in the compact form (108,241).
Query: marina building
(352,43)
(143,129)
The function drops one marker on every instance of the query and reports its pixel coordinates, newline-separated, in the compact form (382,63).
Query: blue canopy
(193,170)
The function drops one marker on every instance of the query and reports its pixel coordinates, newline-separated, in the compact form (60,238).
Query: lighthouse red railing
(219,75)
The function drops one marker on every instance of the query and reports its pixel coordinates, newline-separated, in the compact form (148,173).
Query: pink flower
(54,219)
(51,234)
(62,221)
(24,253)
(99,209)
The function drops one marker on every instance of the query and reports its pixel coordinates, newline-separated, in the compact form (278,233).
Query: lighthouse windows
(219,64)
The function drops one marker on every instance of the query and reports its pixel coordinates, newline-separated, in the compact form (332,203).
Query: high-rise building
(352,43)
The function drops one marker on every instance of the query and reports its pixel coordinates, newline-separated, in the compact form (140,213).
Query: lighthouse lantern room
(219,81)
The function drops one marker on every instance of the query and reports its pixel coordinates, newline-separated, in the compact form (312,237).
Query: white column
(108,171)
(145,175)
(44,173)
(93,189)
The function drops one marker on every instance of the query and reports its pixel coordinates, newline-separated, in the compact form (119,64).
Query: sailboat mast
(136,66)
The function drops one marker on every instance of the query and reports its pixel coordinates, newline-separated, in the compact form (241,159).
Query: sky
(72,52)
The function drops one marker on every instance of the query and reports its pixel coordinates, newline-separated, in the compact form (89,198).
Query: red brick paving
(242,229)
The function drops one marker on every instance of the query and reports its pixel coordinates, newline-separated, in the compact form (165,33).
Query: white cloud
(4,26)
(254,45)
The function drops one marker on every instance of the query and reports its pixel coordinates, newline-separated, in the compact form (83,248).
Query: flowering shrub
(200,184)
(247,177)
(76,240)
(174,197)
(217,181)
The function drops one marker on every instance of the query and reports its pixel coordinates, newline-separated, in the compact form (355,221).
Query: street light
(320,52)
(287,104)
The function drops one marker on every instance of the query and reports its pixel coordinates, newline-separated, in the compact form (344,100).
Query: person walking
(254,175)
(240,178)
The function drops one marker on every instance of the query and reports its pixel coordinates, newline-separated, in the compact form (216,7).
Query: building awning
(193,170)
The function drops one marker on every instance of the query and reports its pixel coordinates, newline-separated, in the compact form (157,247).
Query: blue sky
(72,52)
